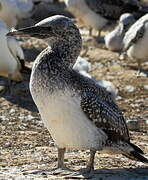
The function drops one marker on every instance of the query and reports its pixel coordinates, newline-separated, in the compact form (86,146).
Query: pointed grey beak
(33,31)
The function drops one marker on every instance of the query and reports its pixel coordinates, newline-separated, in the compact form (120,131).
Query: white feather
(82,65)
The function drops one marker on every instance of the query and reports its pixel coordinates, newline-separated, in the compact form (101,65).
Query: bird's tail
(135,153)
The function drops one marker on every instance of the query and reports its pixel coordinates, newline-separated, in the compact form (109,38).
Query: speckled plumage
(78,113)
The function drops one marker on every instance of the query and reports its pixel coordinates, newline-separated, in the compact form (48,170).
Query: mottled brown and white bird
(78,113)
(102,14)
(135,42)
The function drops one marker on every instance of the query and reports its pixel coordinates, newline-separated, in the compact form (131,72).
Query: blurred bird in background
(113,40)
(13,10)
(103,14)
(135,42)
(11,56)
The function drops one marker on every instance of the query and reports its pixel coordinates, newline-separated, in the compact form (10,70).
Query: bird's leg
(90,166)
(99,33)
(9,82)
(139,68)
(90,31)
(61,152)
(61,167)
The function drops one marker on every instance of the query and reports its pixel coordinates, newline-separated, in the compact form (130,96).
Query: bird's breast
(66,122)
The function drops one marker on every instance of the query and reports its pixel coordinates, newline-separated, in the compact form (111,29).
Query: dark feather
(137,156)
(105,116)
(136,148)
(112,9)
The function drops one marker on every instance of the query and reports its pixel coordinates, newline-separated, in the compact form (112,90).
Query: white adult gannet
(135,42)
(100,14)
(113,40)
(10,55)
(12,10)
(78,113)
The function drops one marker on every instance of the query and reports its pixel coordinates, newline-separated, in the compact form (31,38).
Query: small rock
(2,88)
(7,145)
(29,117)
(139,163)
(129,88)
(133,125)
(12,111)
(2,118)
(145,87)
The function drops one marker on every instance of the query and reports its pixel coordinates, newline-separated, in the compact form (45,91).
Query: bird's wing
(105,115)
(134,34)
(15,50)
(112,9)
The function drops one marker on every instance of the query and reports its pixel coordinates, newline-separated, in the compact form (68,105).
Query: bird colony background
(26,148)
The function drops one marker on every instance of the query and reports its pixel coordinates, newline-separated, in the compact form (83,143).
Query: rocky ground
(26,147)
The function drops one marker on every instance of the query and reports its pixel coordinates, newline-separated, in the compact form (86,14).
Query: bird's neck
(66,51)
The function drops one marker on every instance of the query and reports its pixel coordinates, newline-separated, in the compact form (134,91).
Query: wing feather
(105,116)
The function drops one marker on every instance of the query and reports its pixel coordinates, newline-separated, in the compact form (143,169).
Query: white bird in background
(136,41)
(10,55)
(113,40)
(13,10)
(82,66)
(101,14)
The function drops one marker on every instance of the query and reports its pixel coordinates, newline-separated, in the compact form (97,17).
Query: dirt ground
(27,150)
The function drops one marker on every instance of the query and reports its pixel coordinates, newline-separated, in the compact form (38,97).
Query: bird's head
(57,26)
(60,31)
(127,19)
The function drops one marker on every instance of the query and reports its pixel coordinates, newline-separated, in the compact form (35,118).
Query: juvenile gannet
(113,40)
(78,113)
(10,55)
(100,14)
(135,42)
(13,10)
